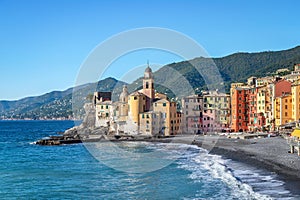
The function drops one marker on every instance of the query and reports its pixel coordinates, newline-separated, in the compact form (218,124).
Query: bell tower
(148,83)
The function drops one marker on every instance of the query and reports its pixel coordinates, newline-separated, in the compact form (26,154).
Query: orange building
(239,107)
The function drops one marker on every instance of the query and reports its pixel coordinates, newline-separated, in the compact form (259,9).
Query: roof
(296,133)
(104,103)
(243,88)
(162,101)
(216,94)
(284,95)
(148,69)
(137,93)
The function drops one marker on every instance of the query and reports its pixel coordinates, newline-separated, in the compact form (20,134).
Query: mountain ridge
(236,67)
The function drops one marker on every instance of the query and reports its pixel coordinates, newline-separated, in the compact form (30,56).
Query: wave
(243,182)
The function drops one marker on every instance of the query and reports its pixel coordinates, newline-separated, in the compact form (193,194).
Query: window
(143,116)
(135,98)
(106,114)
(106,106)
(164,104)
(147,121)
(147,85)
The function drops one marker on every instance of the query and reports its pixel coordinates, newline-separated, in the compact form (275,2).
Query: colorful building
(264,107)
(151,123)
(216,110)
(137,105)
(169,114)
(283,109)
(239,107)
(296,101)
(103,105)
(192,108)
(209,112)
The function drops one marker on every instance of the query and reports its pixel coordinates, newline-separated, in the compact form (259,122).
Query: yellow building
(263,103)
(283,109)
(261,100)
(160,96)
(169,114)
(137,105)
(295,101)
(151,123)
(217,105)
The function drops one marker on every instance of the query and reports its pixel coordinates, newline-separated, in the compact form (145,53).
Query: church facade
(144,112)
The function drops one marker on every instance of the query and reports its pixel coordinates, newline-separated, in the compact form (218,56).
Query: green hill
(55,104)
(175,79)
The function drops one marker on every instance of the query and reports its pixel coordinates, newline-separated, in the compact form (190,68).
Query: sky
(43,44)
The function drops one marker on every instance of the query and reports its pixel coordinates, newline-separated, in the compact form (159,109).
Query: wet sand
(265,153)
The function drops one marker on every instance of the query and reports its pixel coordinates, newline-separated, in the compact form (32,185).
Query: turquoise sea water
(28,171)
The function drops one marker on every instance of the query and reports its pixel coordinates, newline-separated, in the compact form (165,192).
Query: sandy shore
(266,153)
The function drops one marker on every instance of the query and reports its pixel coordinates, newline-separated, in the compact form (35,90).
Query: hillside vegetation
(175,79)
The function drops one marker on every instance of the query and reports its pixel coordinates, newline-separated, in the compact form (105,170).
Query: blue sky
(44,43)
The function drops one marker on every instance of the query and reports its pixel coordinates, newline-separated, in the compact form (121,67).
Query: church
(142,112)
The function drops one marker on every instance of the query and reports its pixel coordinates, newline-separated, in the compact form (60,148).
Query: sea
(91,171)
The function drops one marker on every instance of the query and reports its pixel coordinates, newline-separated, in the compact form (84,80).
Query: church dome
(124,94)
(148,73)
(148,69)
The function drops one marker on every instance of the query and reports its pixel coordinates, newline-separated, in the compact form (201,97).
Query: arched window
(147,85)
